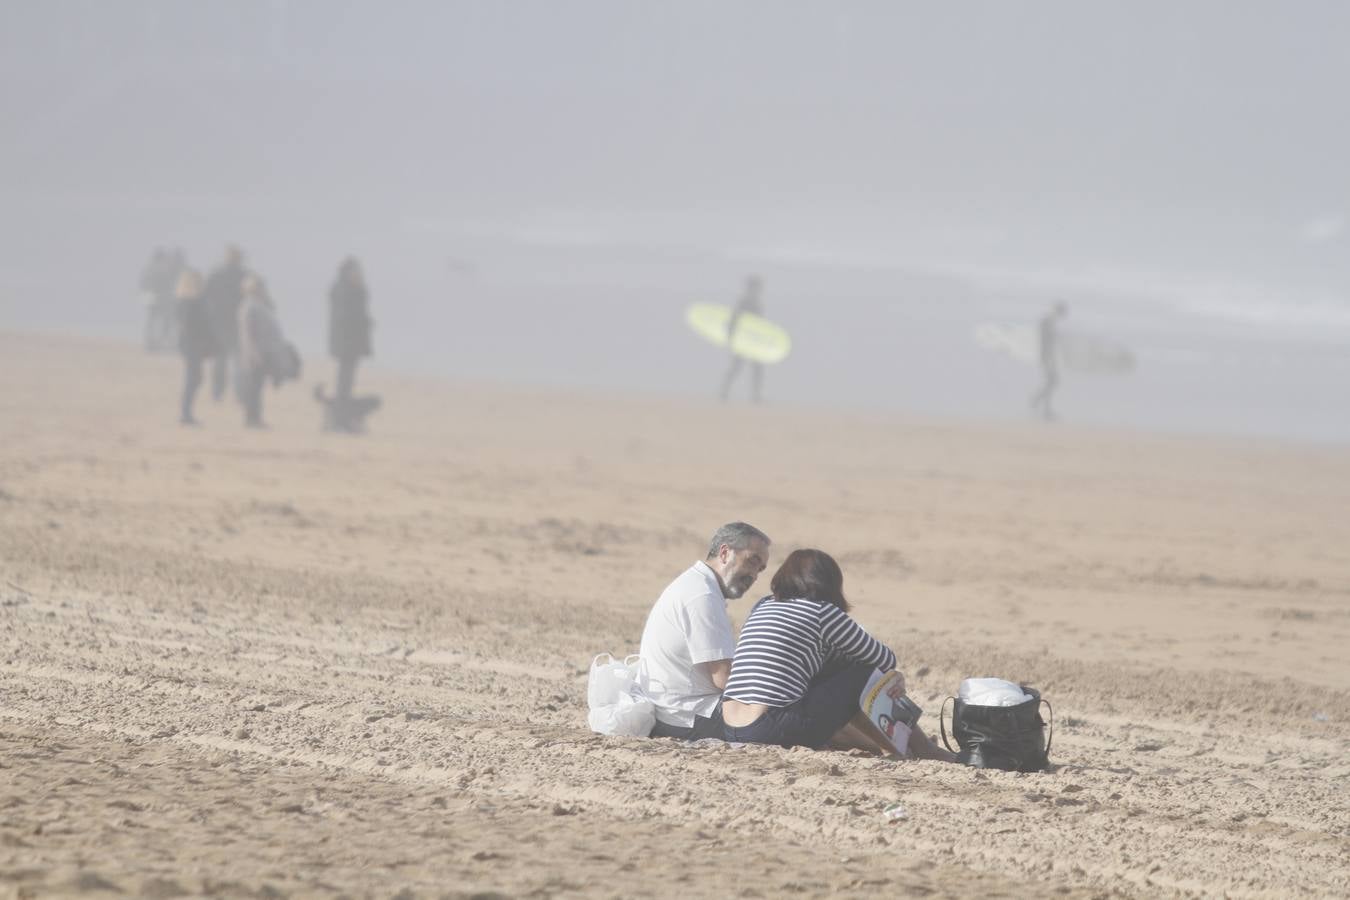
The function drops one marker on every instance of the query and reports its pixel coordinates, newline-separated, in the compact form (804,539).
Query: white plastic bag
(991,692)
(617,705)
(610,679)
(629,716)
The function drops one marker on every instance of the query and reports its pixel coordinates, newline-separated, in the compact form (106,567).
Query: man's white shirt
(687,626)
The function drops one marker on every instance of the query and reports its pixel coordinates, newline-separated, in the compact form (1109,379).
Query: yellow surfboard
(756,338)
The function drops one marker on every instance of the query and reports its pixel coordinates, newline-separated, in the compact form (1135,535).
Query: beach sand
(288,663)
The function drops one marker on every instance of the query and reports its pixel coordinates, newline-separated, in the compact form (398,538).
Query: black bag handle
(942,724)
(1051,736)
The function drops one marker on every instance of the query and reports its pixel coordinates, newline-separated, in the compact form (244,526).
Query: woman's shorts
(830,702)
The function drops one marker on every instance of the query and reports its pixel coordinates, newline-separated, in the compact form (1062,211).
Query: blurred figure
(150,275)
(349,325)
(177,264)
(159,280)
(1049,347)
(750,302)
(263,352)
(223,294)
(196,339)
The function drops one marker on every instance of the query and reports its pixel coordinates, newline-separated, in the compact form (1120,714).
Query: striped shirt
(784,643)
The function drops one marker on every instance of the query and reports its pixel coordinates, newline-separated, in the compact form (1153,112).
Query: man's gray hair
(737,536)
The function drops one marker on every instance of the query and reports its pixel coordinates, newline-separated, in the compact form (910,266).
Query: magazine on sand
(895,718)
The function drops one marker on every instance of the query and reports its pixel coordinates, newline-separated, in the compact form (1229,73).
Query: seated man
(687,643)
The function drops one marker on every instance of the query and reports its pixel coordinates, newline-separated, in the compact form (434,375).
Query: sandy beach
(286,663)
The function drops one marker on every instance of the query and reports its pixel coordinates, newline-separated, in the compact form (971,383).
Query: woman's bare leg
(850,738)
(859,733)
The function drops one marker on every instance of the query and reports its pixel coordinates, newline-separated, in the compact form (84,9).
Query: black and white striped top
(784,643)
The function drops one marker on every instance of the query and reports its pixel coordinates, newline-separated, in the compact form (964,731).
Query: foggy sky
(1173,162)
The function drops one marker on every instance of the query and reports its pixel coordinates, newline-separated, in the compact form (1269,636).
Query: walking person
(223,294)
(349,327)
(262,348)
(751,302)
(1049,350)
(196,339)
(159,284)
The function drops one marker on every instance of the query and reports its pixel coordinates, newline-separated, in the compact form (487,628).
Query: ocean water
(587,313)
(896,339)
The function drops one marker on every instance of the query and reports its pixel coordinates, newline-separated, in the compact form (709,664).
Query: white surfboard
(1078,352)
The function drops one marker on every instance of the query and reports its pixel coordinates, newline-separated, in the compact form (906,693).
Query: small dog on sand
(346,416)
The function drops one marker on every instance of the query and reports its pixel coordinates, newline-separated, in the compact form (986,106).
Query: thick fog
(537,190)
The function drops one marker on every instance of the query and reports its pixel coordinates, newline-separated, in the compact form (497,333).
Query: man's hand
(896,689)
(717,671)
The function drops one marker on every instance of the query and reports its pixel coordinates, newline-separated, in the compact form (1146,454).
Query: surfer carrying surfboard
(750,302)
(1049,339)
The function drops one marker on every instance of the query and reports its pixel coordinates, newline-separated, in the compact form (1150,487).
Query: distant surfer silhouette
(1049,349)
(750,302)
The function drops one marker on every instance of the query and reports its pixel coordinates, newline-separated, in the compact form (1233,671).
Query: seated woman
(801,665)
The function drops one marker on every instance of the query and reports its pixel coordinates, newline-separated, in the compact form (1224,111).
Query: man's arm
(718,670)
(711,643)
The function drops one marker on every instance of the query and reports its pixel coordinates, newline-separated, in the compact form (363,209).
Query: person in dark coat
(196,339)
(223,294)
(349,325)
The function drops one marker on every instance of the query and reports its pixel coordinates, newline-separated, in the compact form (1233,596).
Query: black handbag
(1012,738)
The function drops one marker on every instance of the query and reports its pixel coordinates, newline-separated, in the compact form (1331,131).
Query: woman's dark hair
(810,575)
